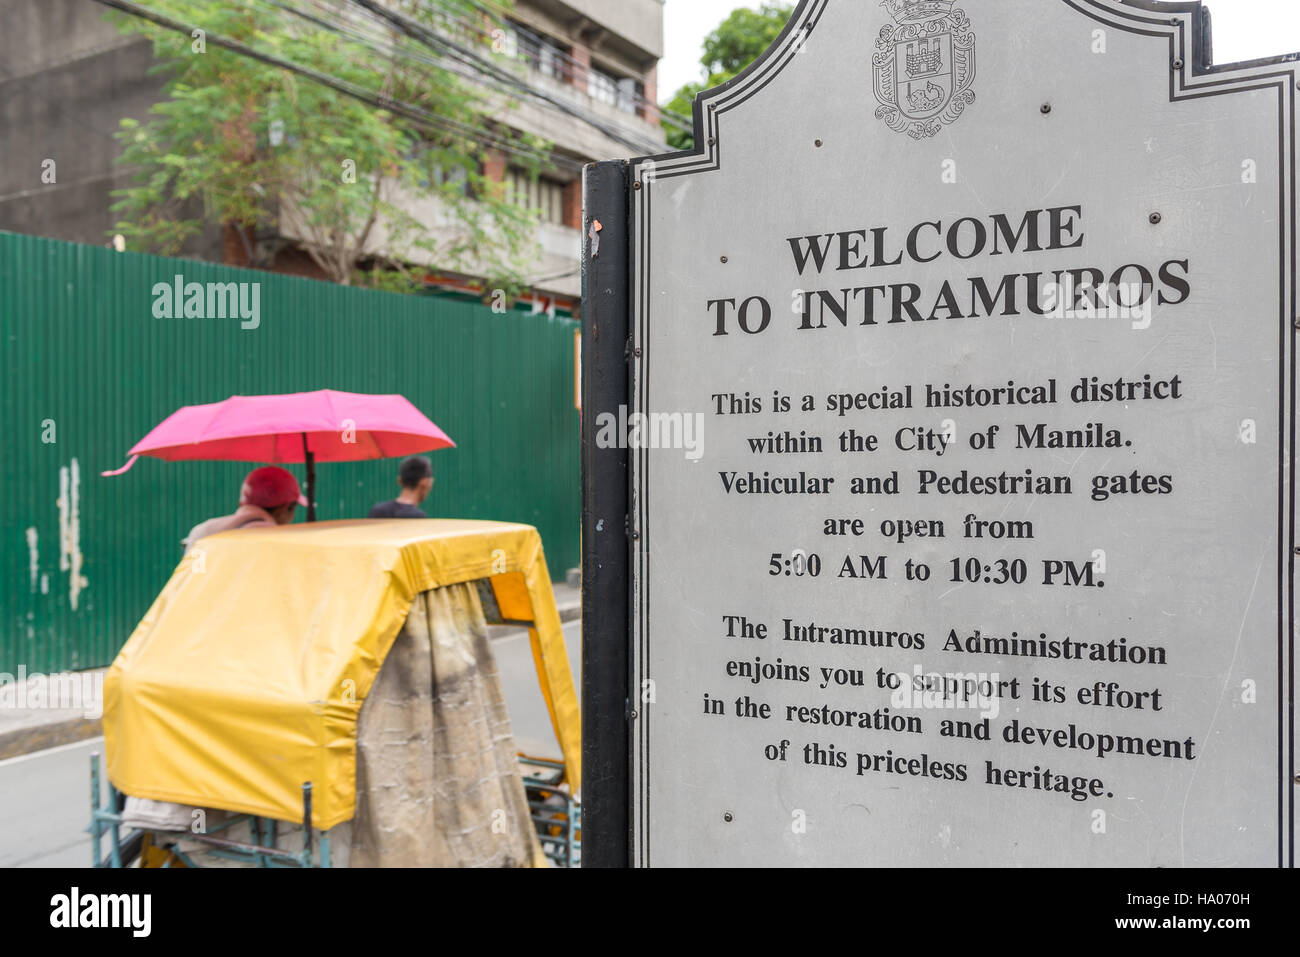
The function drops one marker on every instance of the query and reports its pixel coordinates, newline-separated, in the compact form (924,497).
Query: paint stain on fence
(70,557)
(33,557)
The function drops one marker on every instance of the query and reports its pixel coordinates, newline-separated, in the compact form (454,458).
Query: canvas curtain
(438,782)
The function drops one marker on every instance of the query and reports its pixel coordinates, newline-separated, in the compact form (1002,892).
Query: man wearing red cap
(269,497)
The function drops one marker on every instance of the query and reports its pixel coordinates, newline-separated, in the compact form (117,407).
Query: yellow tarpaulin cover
(246,677)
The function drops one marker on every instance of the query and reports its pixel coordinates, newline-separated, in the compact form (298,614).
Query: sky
(1243,30)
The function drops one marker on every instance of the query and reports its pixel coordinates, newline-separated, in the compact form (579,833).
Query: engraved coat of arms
(924,66)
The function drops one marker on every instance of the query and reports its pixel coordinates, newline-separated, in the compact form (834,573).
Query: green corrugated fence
(89,370)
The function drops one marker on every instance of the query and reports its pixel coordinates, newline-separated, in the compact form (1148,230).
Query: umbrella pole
(311,479)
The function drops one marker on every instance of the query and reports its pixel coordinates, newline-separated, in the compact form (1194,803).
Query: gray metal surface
(1106,113)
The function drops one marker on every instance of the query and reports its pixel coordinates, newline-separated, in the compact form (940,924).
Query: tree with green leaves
(736,43)
(395,180)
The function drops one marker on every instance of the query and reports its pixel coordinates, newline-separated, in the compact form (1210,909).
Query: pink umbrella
(310,427)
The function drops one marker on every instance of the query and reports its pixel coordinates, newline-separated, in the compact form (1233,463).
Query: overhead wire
(432,38)
(467,69)
(417,115)
(575,66)
(452,57)
(382,44)
(375,43)
(460,61)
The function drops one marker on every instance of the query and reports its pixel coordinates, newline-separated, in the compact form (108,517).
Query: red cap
(270,487)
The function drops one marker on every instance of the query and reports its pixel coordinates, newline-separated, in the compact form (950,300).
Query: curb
(42,736)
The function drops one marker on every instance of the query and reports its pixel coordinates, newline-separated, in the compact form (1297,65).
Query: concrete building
(67,76)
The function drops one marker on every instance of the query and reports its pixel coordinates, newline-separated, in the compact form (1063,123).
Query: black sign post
(605,552)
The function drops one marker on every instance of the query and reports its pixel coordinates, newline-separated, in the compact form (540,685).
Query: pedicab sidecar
(326,695)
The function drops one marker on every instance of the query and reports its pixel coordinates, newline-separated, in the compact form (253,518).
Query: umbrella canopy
(310,427)
(282,429)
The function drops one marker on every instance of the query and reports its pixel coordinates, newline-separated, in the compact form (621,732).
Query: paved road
(45,797)
(45,806)
(528,716)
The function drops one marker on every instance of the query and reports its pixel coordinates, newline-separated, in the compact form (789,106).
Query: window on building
(439,167)
(628,90)
(457,177)
(620,92)
(601,86)
(539,52)
(544,196)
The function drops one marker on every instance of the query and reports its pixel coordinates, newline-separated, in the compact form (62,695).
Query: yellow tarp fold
(246,677)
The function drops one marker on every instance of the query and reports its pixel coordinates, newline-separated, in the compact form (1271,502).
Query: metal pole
(95,827)
(114,833)
(310,458)
(306,824)
(606,703)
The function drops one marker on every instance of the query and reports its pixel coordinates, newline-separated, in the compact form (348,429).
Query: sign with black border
(857,235)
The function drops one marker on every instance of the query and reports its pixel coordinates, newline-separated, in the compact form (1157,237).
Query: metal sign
(959,448)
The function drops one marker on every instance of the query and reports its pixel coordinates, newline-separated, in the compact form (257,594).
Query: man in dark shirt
(415,476)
